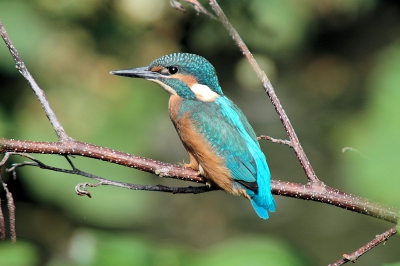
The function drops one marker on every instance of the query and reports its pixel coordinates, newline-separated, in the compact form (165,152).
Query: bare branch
(195,4)
(345,149)
(310,191)
(176,5)
(20,65)
(11,210)
(280,141)
(352,257)
(2,224)
(81,188)
(92,151)
(335,197)
(10,205)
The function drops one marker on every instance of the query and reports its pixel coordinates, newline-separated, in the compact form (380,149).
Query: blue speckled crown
(191,64)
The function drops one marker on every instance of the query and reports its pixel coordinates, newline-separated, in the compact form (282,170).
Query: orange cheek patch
(156,69)
(187,79)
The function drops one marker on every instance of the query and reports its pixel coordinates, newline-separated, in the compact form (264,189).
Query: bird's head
(188,75)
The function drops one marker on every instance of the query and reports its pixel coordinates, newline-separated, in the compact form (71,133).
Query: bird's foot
(193,166)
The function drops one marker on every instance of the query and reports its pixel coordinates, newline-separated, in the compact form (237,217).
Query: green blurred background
(335,65)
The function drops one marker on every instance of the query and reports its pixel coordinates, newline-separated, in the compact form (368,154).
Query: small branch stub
(81,189)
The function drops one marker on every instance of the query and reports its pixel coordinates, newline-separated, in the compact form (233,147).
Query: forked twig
(352,257)
(280,141)
(81,190)
(195,4)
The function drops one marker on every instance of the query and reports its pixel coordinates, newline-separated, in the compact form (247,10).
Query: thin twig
(20,65)
(279,141)
(10,205)
(195,4)
(176,5)
(352,257)
(11,215)
(345,149)
(200,8)
(298,149)
(2,222)
(11,212)
(81,188)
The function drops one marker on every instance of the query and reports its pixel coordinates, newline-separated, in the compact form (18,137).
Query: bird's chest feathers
(212,165)
(180,111)
(174,107)
(183,112)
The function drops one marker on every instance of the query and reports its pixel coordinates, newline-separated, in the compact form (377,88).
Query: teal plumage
(221,144)
(225,127)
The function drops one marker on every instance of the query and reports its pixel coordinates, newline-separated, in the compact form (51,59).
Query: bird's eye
(172,70)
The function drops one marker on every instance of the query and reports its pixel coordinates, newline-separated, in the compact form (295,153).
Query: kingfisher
(221,144)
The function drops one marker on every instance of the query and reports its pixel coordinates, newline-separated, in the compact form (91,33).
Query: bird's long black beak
(139,72)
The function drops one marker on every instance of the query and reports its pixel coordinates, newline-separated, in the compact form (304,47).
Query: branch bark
(352,257)
(310,191)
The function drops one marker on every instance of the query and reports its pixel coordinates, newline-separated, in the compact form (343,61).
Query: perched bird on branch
(221,144)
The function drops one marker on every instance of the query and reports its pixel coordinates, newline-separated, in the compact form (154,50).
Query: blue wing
(226,128)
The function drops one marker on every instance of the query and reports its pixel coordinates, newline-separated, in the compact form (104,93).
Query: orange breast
(174,106)
(213,166)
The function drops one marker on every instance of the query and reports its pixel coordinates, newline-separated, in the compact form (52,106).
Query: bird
(221,144)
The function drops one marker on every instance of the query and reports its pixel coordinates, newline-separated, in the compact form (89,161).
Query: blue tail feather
(245,159)
(262,201)
(261,211)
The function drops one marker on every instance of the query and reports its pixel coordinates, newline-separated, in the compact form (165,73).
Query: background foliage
(333,63)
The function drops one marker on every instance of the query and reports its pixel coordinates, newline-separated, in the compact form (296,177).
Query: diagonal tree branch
(20,65)
(295,143)
(352,257)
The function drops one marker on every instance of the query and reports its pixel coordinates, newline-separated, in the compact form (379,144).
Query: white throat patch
(204,93)
(164,86)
